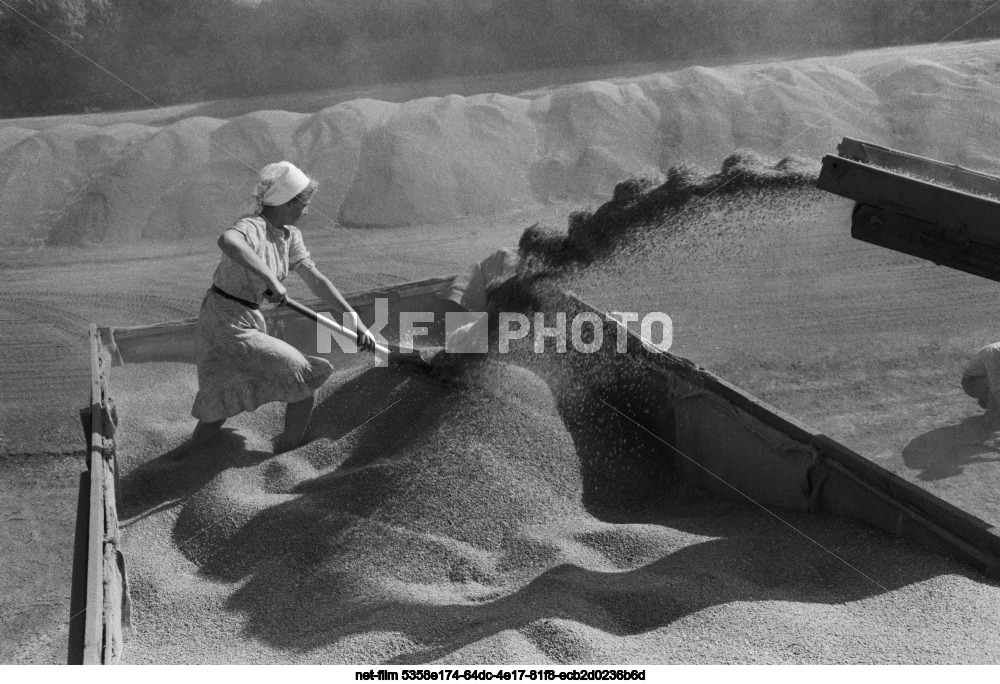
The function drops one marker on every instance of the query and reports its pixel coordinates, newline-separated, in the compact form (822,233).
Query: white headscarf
(279,183)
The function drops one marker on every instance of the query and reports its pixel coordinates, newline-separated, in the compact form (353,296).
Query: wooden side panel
(114,588)
(726,440)
(737,457)
(106,591)
(94,624)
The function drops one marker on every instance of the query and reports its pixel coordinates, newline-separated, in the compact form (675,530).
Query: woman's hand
(365,340)
(276,292)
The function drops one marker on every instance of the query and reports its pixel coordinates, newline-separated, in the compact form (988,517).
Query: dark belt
(222,293)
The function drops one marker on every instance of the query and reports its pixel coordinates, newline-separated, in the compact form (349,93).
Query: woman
(240,366)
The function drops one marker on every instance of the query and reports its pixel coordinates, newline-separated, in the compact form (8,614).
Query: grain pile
(642,212)
(506,517)
(444,158)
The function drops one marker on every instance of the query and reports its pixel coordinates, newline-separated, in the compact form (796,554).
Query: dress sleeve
(251,231)
(298,255)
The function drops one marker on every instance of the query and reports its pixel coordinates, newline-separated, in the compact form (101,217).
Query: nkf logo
(467,332)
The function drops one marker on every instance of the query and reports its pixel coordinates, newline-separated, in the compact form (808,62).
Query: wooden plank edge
(78,584)
(860,169)
(94,625)
(114,586)
(849,148)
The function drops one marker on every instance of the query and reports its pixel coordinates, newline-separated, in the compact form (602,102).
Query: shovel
(390,354)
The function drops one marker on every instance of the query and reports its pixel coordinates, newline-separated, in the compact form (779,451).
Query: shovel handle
(380,350)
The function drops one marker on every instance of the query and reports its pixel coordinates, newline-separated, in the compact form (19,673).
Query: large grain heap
(437,159)
(508,515)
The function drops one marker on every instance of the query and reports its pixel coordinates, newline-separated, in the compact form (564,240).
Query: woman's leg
(296,421)
(205,431)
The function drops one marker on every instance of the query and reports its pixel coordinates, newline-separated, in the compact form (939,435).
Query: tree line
(72,55)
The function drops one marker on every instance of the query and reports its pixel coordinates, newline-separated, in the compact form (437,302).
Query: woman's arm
(325,290)
(235,246)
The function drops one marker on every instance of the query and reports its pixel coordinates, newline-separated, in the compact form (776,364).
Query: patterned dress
(240,366)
